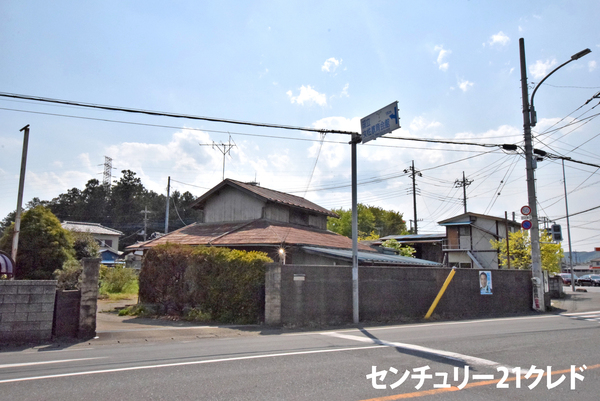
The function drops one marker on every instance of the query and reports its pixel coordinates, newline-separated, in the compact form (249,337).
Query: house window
(464,230)
(108,243)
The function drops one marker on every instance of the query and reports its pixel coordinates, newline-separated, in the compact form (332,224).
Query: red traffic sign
(526,224)
(526,210)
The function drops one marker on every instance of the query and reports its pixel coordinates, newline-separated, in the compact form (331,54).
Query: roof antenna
(225,148)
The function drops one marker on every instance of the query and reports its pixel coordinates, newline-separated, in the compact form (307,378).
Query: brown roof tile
(256,232)
(269,195)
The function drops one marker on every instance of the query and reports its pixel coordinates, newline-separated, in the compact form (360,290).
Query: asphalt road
(328,365)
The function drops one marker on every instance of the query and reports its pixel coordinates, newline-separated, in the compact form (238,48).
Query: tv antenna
(225,149)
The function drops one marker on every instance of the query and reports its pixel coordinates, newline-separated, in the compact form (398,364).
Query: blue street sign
(526,224)
(381,122)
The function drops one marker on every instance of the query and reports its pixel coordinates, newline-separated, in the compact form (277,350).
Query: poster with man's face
(485,282)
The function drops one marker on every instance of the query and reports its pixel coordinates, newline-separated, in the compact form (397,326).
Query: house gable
(232,201)
(229,204)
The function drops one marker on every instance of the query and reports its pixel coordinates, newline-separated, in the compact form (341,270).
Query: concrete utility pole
(413,174)
(536,263)
(15,243)
(145,212)
(168,201)
(530,120)
(568,228)
(463,183)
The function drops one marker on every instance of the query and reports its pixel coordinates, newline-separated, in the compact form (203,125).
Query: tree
(370,219)
(95,199)
(43,244)
(520,251)
(403,250)
(85,245)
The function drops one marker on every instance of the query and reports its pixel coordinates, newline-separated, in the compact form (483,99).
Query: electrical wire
(166,114)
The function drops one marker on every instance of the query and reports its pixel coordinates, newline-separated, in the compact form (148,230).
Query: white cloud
(331,64)
(345,91)
(541,68)
(308,95)
(465,85)
(499,39)
(443,53)
(420,123)
(592,65)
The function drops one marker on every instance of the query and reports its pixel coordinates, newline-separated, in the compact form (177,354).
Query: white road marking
(466,359)
(15,365)
(167,365)
(581,313)
(418,325)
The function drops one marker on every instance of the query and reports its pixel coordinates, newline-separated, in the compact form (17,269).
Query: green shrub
(161,277)
(69,277)
(136,310)
(119,280)
(225,285)
(196,315)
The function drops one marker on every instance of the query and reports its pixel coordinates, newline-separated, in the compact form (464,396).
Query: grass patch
(121,296)
(136,310)
(118,280)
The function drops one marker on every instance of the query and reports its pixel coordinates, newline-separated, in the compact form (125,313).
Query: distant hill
(581,258)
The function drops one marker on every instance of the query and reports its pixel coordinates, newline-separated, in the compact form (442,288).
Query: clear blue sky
(453,67)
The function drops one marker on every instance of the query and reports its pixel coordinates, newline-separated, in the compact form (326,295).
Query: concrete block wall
(305,295)
(26,310)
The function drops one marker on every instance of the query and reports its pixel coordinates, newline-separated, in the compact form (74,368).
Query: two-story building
(468,236)
(289,228)
(107,238)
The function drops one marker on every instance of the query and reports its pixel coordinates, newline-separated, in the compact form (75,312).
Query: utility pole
(15,244)
(507,241)
(463,183)
(568,228)
(225,149)
(413,174)
(145,212)
(530,120)
(536,262)
(168,201)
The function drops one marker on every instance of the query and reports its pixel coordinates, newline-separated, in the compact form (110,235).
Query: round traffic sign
(526,224)
(526,210)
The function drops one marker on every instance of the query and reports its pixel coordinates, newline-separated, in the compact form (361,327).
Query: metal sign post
(372,126)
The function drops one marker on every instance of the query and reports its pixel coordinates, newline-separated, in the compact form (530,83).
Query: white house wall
(103,237)
(489,260)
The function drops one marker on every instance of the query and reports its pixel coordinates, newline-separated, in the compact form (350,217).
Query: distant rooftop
(92,228)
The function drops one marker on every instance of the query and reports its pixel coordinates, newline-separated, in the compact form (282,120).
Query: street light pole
(530,120)
(536,263)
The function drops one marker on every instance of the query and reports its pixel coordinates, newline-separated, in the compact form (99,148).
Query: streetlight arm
(576,56)
(545,78)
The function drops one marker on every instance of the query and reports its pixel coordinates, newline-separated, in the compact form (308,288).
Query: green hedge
(225,285)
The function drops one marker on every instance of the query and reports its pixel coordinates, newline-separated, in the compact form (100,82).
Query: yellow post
(439,295)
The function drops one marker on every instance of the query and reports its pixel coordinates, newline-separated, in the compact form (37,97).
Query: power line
(225,132)
(575,214)
(165,114)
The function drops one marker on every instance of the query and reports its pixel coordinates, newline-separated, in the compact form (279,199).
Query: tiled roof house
(288,228)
